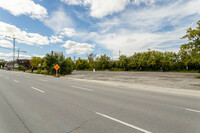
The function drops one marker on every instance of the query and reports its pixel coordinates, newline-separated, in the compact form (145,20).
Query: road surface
(32,103)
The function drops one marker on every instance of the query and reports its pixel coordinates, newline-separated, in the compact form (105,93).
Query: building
(57,52)
(19,62)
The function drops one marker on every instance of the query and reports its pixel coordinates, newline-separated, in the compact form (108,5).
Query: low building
(19,62)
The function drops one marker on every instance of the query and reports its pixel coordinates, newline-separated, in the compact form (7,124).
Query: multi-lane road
(31,103)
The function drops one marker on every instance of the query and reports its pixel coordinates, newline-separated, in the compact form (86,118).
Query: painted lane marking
(124,123)
(82,88)
(66,130)
(37,89)
(44,80)
(192,110)
(16,81)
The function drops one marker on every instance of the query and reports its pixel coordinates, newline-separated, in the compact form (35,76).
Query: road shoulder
(142,87)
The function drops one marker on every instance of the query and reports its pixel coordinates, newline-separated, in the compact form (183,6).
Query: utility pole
(119,53)
(19,51)
(74,58)
(13,48)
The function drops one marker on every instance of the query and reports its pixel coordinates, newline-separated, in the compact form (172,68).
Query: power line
(15,50)
(13,47)
(19,51)
(14,38)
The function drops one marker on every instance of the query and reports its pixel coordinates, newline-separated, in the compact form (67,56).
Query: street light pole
(13,50)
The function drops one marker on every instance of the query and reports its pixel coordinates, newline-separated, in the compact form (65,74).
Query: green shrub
(21,68)
(198,76)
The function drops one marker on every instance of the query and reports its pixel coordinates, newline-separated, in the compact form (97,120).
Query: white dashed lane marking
(124,123)
(82,88)
(38,90)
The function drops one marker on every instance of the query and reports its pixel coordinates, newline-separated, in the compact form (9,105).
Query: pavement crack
(11,107)
(120,109)
(83,123)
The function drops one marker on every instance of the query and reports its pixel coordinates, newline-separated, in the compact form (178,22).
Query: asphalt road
(32,103)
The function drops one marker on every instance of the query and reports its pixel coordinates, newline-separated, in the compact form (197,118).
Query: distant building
(56,52)
(22,62)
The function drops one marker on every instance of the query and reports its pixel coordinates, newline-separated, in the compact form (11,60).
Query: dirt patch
(159,79)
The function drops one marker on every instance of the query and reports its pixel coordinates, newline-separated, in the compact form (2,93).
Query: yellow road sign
(57,67)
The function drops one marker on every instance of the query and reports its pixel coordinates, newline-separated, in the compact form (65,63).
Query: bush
(51,60)
(21,68)
(197,77)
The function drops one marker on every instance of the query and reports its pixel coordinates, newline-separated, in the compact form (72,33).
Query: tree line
(188,58)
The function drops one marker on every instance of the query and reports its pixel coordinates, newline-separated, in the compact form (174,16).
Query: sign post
(56,67)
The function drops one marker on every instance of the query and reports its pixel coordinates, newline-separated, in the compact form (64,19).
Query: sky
(80,27)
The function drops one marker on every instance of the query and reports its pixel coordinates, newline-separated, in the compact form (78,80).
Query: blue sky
(80,27)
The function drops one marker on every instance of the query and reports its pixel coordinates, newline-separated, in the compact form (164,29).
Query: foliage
(51,60)
(187,59)
(21,68)
(82,64)
(2,63)
(91,59)
(198,76)
(35,61)
(190,52)
(103,62)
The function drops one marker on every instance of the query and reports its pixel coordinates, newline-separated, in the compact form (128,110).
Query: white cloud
(6,44)
(128,42)
(100,8)
(80,48)
(24,7)
(9,56)
(58,21)
(55,39)
(158,27)
(68,32)
(25,37)
(41,56)
(72,2)
(138,2)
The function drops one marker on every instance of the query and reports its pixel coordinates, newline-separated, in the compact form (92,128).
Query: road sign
(16,65)
(57,67)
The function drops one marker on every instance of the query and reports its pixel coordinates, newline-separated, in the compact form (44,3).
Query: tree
(123,62)
(51,60)
(2,63)
(91,59)
(82,64)
(190,52)
(103,62)
(35,61)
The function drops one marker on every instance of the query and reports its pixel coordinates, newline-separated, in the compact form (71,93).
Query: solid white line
(124,123)
(37,89)
(193,110)
(16,81)
(82,88)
